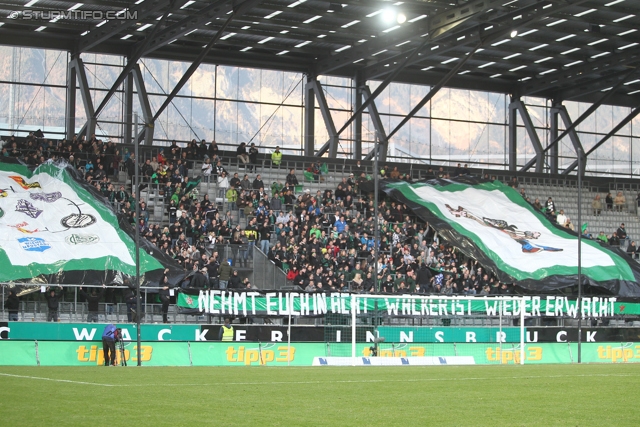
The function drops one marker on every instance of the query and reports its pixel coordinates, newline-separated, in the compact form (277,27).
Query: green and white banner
(300,304)
(492,223)
(56,227)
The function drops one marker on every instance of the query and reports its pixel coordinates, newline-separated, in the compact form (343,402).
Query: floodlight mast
(580,160)
(376,228)
(136,190)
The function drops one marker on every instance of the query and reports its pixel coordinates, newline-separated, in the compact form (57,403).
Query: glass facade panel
(234,104)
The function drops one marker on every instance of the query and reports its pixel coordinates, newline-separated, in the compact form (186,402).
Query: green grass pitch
(534,395)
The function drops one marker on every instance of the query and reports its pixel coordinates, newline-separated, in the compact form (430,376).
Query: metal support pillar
(359,82)
(553,135)
(382,144)
(605,138)
(435,89)
(518,105)
(573,136)
(393,74)
(328,120)
(583,116)
(143,97)
(90,127)
(70,110)
(128,109)
(239,10)
(513,136)
(309,117)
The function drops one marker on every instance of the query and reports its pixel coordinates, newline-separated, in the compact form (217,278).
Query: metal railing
(266,275)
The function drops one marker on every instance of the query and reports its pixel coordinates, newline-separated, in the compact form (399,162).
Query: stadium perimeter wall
(60,344)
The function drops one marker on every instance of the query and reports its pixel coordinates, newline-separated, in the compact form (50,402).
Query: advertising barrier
(73,353)
(93,331)
(274,333)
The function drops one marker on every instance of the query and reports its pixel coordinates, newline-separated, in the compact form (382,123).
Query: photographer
(109,337)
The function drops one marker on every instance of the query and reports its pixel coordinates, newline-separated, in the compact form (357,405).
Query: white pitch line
(55,379)
(377,381)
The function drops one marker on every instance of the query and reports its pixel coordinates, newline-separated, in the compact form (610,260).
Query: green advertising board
(401,334)
(74,353)
(93,331)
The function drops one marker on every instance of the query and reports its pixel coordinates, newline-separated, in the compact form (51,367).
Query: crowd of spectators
(323,241)
(616,238)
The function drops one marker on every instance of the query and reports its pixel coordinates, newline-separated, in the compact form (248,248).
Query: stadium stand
(259,218)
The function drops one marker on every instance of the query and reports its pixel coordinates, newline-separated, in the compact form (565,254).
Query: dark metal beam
(377,92)
(328,120)
(113,27)
(553,134)
(131,63)
(568,76)
(132,60)
(573,136)
(502,25)
(70,108)
(128,109)
(359,83)
(519,106)
(85,92)
(382,139)
(513,136)
(434,90)
(595,85)
(237,10)
(309,116)
(580,119)
(632,115)
(143,98)
(435,25)
(216,10)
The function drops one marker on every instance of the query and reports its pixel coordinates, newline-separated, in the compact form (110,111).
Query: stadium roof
(563,49)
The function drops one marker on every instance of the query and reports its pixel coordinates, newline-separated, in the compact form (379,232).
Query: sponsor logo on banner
(511,355)
(33,244)
(78,221)
(27,208)
(24,184)
(82,239)
(21,228)
(625,352)
(94,355)
(260,355)
(46,197)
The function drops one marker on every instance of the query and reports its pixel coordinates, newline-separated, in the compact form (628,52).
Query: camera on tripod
(117,335)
